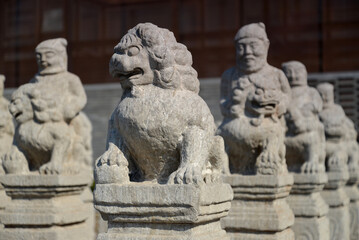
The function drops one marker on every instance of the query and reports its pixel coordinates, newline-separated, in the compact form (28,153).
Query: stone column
(338,201)
(352,191)
(4,200)
(162,212)
(259,208)
(44,207)
(309,207)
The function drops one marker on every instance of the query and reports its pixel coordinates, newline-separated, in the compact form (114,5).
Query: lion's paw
(188,174)
(50,168)
(15,162)
(112,167)
(336,163)
(312,167)
(268,163)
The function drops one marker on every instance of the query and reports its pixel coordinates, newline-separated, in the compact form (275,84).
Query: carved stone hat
(58,44)
(253,30)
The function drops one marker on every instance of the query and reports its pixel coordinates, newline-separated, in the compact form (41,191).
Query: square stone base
(283,235)
(311,228)
(162,231)
(72,232)
(354,220)
(339,222)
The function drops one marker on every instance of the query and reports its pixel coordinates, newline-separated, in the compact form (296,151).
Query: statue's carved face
(296,76)
(251,54)
(327,96)
(132,65)
(21,109)
(49,61)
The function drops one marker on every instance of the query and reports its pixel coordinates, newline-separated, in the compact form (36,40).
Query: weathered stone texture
(160,177)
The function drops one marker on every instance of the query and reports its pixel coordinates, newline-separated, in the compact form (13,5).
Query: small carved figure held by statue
(305,139)
(333,117)
(161,131)
(254,98)
(52,135)
(6,124)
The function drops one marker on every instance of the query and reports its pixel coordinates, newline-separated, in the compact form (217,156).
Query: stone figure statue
(333,117)
(305,139)
(254,97)
(6,124)
(352,146)
(161,130)
(52,135)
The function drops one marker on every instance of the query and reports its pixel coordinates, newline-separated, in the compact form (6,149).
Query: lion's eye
(133,51)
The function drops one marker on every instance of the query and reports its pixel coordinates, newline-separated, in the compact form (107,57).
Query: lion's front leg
(194,152)
(269,161)
(59,154)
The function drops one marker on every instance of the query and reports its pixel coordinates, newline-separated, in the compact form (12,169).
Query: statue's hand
(112,167)
(190,173)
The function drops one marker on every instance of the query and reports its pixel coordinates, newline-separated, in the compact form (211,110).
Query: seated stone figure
(333,117)
(52,135)
(351,145)
(305,139)
(6,124)
(254,97)
(161,131)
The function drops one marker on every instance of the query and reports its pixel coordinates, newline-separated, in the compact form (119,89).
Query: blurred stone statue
(333,117)
(254,97)
(52,135)
(6,124)
(161,131)
(305,139)
(352,146)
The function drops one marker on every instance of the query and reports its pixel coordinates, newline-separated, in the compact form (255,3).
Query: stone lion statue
(161,131)
(254,97)
(6,124)
(305,139)
(334,119)
(52,135)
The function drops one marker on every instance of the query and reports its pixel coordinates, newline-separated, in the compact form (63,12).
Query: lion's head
(20,106)
(148,54)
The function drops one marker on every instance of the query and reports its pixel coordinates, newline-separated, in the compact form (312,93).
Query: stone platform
(259,209)
(309,207)
(335,196)
(44,207)
(140,211)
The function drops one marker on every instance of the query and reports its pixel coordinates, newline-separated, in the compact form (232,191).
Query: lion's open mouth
(18,114)
(267,106)
(135,73)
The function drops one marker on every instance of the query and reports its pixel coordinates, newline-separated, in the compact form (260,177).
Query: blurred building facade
(323,34)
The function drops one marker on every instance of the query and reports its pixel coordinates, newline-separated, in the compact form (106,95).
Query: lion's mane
(171,61)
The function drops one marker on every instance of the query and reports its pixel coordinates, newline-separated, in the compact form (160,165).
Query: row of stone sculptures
(283,164)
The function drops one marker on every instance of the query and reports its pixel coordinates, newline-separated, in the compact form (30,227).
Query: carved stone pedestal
(141,211)
(309,207)
(87,198)
(352,191)
(338,201)
(44,207)
(4,200)
(259,209)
